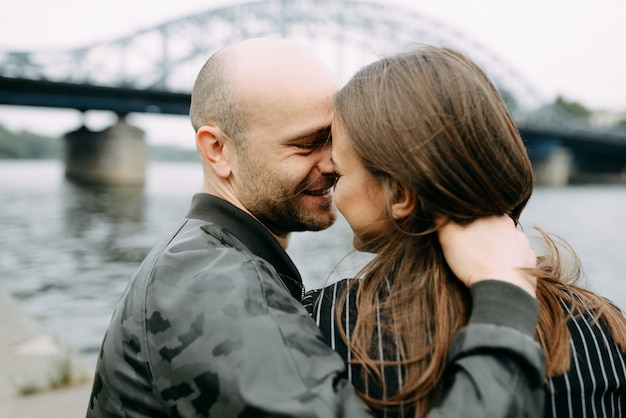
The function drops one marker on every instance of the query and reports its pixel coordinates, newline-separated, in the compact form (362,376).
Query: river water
(67,252)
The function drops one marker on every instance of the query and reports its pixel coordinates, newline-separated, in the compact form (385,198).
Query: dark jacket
(211,325)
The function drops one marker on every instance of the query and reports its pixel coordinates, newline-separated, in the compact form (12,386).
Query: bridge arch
(348,34)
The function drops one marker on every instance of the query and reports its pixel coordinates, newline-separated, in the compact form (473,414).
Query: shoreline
(40,376)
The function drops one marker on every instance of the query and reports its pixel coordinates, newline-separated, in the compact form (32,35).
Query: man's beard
(281,209)
(280,203)
(292,216)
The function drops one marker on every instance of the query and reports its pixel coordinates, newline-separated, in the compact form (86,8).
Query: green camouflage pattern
(207,328)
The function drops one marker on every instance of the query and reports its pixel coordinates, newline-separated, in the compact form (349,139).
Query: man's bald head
(213,98)
(241,82)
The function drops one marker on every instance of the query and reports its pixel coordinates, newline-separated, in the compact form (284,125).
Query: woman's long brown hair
(430,120)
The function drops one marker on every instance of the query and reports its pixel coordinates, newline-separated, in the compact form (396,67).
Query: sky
(573,48)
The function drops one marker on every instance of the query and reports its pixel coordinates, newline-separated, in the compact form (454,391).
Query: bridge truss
(167,57)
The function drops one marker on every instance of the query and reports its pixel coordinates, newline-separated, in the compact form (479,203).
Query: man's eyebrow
(324,136)
(317,137)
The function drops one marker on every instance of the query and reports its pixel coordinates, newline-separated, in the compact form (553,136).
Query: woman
(419,137)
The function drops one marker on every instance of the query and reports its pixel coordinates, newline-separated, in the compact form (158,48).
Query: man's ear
(404,202)
(214,149)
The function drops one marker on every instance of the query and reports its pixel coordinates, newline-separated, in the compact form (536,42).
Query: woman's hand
(489,248)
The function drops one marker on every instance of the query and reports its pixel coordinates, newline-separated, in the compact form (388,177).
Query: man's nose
(325,164)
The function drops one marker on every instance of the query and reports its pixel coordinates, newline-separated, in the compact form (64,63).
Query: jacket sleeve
(496,368)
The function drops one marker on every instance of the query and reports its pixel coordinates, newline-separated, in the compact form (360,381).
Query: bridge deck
(43,93)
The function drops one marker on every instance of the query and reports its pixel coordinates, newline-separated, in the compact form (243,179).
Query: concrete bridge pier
(115,156)
(555,168)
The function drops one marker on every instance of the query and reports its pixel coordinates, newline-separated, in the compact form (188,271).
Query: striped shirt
(594,386)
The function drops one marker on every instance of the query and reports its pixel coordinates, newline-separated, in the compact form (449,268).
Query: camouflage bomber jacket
(211,325)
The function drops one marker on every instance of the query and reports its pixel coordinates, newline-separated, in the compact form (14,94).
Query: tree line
(27,145)
(24,144)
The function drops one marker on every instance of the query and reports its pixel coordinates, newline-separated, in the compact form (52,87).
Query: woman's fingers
(488,248)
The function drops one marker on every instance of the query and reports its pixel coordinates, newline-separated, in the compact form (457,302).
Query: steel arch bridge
(167,57)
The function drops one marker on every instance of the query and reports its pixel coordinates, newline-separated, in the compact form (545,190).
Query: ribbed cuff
(500,303)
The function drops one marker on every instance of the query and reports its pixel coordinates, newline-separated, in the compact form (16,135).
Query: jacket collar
(251,233)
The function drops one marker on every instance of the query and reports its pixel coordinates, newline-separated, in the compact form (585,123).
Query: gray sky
(570,47)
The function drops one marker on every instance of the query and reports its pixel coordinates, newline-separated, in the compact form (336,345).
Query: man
(211,324)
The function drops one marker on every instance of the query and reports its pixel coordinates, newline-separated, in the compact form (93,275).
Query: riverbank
(40,377)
